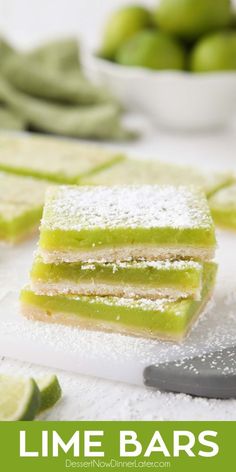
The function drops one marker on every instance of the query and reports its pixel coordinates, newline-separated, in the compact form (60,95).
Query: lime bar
(110,224)
(58,160)
(132,171)
(223,207)
(21,206)
(155,279)
(160,318)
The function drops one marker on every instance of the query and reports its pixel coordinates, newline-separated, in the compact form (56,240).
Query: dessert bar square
(155,279)
(21,206)
(223,207)
(123,223)
(132,171)
(58,160)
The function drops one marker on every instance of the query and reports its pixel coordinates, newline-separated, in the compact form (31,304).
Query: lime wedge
(19,398)
(50,391)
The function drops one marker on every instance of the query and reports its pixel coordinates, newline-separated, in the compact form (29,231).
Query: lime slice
(19,398)
(50,391)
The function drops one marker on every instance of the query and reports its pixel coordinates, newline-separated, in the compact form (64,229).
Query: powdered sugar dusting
(213,331)
(58,159)
(145,206)
(110,355)
(20,195)
(166,265)
(145,304)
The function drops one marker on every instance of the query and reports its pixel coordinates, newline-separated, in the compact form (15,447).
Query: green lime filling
(224,218)
(16,228)
(133,171)
(162,316)
(185,276)
(101,238)
(223,207)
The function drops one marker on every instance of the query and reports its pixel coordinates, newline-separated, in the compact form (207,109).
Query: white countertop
(87,398)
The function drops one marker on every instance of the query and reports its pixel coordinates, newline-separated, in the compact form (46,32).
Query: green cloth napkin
(101,121)
(43,81)
(60,53)
(48,90)
(6,50)
(10,120)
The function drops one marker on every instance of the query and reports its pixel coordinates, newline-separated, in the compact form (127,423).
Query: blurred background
(175,114)
(27,23)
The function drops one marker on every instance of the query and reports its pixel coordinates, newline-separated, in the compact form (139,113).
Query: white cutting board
(105,355)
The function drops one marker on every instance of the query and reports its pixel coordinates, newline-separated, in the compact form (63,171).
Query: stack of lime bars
(130,259)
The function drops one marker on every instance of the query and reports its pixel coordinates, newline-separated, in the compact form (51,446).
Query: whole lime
(152,49)
(122,25)
(190,19)
(215,52)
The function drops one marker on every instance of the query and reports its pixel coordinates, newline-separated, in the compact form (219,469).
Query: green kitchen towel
(6,50)
(10,120)
(101,121)
(35,75)
(47,88)
(61,54)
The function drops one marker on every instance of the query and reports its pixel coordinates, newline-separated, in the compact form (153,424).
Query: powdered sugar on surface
(112,356)
(77,208)
(90,398)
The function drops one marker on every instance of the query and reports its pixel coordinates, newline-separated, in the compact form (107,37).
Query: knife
(211,375)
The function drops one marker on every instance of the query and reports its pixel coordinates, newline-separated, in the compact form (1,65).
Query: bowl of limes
(176,62)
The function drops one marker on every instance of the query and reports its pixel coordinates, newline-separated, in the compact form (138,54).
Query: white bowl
(174,99)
